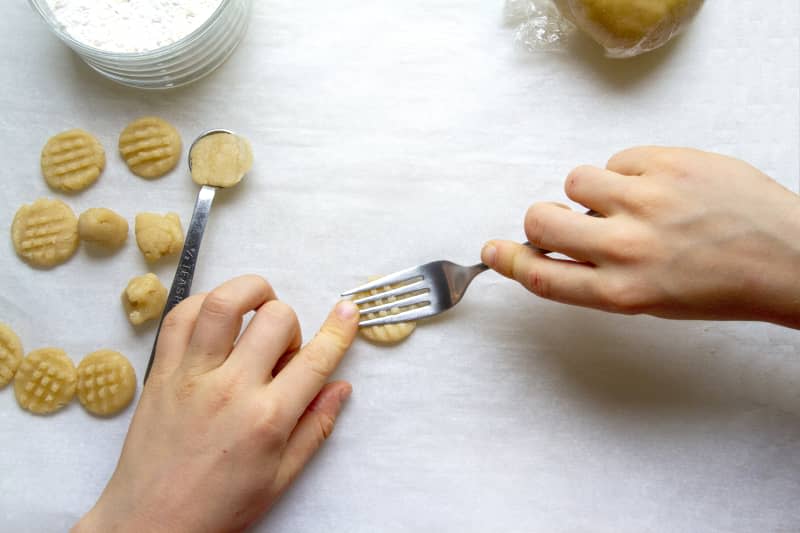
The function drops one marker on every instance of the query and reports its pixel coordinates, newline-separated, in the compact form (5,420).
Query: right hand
(685,234)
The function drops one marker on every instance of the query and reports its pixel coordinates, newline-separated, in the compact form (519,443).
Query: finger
(633,161)
(273,331)
(313,428)
(308,371)
(554,228)
(562,281)
(597,189)
(220,320)
(174,335)
(283,361)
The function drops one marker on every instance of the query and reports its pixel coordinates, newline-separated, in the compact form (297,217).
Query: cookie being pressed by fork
(385,334)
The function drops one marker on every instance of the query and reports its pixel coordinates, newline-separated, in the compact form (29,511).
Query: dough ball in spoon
(220,159)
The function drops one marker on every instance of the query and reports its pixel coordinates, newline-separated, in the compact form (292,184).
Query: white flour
(131,25)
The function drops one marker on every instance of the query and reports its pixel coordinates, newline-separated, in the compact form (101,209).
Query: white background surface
(388,134)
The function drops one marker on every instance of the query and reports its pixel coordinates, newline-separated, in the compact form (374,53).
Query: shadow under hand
(642,364)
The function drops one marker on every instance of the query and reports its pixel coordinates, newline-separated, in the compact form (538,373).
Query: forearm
(780,303)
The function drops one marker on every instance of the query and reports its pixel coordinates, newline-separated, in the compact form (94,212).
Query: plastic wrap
(625,28)
(538,25)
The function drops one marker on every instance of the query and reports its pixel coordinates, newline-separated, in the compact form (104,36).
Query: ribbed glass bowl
(176,64)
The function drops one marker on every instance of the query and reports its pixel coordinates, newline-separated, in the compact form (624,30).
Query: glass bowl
(184,61)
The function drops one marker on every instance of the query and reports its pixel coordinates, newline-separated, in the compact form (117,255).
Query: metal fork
(422,292)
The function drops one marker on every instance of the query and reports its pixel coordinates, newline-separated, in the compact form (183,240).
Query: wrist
(105,520)
(782,302)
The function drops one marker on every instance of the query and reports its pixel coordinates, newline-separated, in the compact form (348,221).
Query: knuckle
(174,321)
(518,270)
(320,360)
(539,285)
(626,298)
(281,312)
(644,199)
(184,390)
(268,426)
(574,180)
(627,247)
(258,282)
(536,224)
(326,424)
(219,306)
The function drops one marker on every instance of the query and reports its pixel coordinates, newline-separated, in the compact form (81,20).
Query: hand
(225,425)
(686,234)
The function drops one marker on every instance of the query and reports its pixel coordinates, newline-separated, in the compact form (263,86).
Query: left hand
(224,424)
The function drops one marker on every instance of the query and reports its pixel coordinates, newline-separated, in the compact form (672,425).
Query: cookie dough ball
(630,27)
(103,226)
(150,146)
(10,354)
(390,333)
(220,159)
(45,233)
(45,381)
(158,235)
(72,160)
(144,298)
(106,382)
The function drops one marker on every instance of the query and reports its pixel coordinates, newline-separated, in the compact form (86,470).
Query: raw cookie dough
(629,27)
(220,159)
(106,382)
(103,226)
(45,381)
(390,333)
(150,146)
(144,298)
(158,235)
(45,233)
(10,354)
(72,160)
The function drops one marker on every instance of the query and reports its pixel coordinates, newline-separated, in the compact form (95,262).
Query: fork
(420,292)
(423,291)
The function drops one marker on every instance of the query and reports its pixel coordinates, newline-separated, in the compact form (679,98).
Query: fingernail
(345,392)
(346,309)
(489,253)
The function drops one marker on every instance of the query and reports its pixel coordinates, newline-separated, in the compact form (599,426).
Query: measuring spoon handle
(182,282)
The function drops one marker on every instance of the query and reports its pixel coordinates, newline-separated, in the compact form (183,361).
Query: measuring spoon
(182,282)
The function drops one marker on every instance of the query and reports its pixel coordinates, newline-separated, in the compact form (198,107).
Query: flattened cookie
(158,235)
(106,382)
(390,333)
(10,354)
(72,160)
(45,233)
(45,381)
(150,146)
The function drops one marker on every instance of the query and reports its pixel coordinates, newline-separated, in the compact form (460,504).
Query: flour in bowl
(129,26)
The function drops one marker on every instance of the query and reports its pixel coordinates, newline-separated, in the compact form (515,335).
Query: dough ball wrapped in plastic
(627,28)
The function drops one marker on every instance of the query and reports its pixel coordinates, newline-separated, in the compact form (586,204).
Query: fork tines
(411,298)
